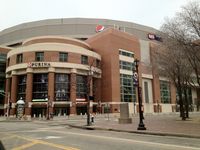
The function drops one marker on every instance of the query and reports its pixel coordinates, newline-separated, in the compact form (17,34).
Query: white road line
(129,140)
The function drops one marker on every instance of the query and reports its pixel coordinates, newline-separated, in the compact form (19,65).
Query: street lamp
(136,83)
(47,99)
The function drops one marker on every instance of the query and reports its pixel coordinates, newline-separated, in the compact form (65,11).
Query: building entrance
(39,112)
(81,110)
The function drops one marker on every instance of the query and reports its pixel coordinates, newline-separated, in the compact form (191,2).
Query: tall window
(19,58)
(21,87)
(63,57)
(39,56)
(81,86)
(128,93)
(126,65)
(98,63)
(146,92)
(84,59)
(62,87)
(40,86)
(165,92)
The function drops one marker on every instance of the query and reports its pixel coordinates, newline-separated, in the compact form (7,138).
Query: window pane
(62,87)
(39,56)
(84,59)
(165,92)
(63,57)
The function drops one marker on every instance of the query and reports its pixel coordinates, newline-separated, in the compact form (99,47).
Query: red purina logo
(99,28)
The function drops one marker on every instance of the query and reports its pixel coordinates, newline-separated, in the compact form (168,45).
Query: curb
(136,132)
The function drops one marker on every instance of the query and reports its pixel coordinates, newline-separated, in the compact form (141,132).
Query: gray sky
(146,12)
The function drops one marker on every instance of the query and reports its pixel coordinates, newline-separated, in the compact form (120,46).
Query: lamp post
(136,83)
(47,99)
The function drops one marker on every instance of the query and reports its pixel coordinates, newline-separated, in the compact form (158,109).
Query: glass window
(81,88)
(8,62)
(165,92)
(146,92)
(128,54)
(40,86)
(21,87)
(63,57)
(39,56)
(84,59)
(19,58)
(128,92)
(62,87)
(126,65)
(98,63)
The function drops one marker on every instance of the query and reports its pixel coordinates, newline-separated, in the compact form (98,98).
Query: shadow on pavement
(1,146)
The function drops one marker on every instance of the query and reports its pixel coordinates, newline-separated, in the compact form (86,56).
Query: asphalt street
(51,136)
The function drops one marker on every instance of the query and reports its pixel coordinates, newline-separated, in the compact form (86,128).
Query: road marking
(8,137)
(24,146)
(128,140)
(33,142)
(49,137)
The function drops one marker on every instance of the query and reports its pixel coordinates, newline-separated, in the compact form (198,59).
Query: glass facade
(165,92)
(2,74)
(21,87)
(81,86)
(40,86)
(62,87)
(128,92)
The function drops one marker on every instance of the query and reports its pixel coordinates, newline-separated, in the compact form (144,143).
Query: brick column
(73,91)
(7,94)
(51,81)
(173,97)
(156,94)
(14,93)
(29,95)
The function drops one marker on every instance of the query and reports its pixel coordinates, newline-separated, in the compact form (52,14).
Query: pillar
(13,93)
(51,81)
(156,94)
(173,97)
(73,91)
(7,94)
(29,91)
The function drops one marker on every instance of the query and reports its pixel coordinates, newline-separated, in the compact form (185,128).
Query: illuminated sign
(154,37)
(38,64)
(99,28)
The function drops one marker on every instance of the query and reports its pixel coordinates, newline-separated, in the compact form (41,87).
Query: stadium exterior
(52,64)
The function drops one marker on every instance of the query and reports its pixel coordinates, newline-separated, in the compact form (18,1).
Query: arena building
(53,65)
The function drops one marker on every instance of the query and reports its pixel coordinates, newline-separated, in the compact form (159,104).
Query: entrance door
(81,110)
(38,112)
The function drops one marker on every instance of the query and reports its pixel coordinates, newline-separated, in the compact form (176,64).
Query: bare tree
(179,54)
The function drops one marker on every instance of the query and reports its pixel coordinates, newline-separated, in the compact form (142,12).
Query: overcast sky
(146,12)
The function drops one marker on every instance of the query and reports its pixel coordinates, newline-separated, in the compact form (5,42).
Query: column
(156,94)
(51,84)
(90,80)
(7,95)
(29,91)
(173,97)
(73,91)
(13,93)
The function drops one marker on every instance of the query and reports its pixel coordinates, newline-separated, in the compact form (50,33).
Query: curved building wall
(34,78)
(80,28)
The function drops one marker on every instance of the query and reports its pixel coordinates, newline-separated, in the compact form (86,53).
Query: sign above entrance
(38,64)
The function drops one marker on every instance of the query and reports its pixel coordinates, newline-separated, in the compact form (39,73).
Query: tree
(180,54)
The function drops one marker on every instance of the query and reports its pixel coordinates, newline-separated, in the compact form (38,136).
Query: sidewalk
(164,125)
(156,124)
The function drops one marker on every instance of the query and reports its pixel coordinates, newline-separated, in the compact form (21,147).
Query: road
(52,136)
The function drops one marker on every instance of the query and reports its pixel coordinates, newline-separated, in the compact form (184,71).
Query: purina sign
(38,64)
